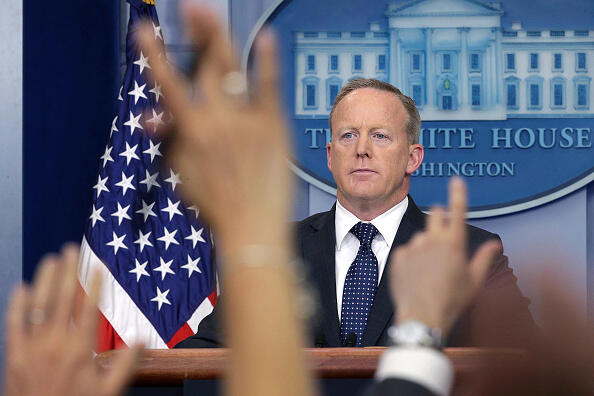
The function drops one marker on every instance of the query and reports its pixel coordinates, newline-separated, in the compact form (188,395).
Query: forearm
(264,331)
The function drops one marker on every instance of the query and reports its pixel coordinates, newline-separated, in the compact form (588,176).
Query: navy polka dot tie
(360,285)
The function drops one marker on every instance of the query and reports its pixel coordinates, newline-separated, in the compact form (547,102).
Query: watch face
(412,332)
(415,333)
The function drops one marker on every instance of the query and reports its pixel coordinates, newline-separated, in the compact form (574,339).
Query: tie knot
(365,232)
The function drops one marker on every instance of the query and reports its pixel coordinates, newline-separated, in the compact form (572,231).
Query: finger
(418,240)
(457,198)
(67,287)
(89,315)
(42,292)
(184,158)
(435,221)
(267,70)
(398,257)
(217,52)
(16,336)
(482,261)
(173,87)
(121,372)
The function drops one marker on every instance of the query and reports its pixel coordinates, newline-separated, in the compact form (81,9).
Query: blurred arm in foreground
(560,361)
(231,149)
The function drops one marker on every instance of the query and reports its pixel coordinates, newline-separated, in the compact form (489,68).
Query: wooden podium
(171,368)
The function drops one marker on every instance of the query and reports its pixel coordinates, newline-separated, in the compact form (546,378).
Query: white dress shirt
(347,244)
(424,366)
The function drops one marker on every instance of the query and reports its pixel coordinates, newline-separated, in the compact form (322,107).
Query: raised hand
(46,354)
(432,280)
(229,145)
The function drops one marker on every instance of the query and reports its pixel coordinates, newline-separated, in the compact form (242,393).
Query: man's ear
(415,157)
(328,156)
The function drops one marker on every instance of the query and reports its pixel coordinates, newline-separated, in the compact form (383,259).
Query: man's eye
(380,136)
(347,135)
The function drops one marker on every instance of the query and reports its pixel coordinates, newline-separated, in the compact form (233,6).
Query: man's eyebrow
(384,129)
(351,129)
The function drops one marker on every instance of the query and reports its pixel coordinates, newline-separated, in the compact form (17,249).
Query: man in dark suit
(373,152)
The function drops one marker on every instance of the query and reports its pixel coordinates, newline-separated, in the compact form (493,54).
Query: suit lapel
(382,311)
(319,250)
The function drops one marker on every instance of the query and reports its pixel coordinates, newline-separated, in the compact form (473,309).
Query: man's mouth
(363,171)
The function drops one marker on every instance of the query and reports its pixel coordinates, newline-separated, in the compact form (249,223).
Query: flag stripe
(201,312)
(184,332)
(108,338)
(213,298)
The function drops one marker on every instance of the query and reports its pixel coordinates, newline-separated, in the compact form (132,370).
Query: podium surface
(173,367)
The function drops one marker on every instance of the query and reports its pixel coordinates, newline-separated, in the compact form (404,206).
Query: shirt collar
(387,223)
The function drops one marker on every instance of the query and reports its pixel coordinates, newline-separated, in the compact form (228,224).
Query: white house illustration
(455,60)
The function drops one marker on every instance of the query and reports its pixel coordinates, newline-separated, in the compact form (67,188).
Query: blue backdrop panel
(71,78)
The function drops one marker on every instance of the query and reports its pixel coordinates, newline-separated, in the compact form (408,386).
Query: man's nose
(364,146)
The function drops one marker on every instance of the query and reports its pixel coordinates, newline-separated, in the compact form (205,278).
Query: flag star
(156,120)
(120,94)
(137,92)
(96,215)
(195,210)
(161,298)
(164,268)
(142,62)
(100,186)
(157,31)
(196,236)
(168,238)
(173,179)
(134,122)
(172,209)
(139,270)
(147,210)
(129,153)
(157,92)
(117,242)
(143,240)
(153,150)
(114,128)
(192,266)
(150,180)
(126,183)
(107,155)
(121,213)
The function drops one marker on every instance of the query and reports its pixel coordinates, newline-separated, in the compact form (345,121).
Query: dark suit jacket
(397,386)
(498,317)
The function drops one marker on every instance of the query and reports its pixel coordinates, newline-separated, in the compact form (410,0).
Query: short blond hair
(413,124)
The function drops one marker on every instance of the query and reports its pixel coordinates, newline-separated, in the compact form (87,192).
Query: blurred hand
(560,357)
(231,149)
(45,353)
(431,278)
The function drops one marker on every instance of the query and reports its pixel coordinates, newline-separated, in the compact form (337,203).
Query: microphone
(320,340)
(351,340)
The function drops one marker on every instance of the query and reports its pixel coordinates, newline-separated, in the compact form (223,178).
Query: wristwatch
(412,333)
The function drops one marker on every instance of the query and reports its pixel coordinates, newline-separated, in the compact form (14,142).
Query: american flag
(152,250)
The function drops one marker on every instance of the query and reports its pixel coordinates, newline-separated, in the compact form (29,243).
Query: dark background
(70,83)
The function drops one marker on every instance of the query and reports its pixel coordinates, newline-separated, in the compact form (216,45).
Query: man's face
(369,155)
